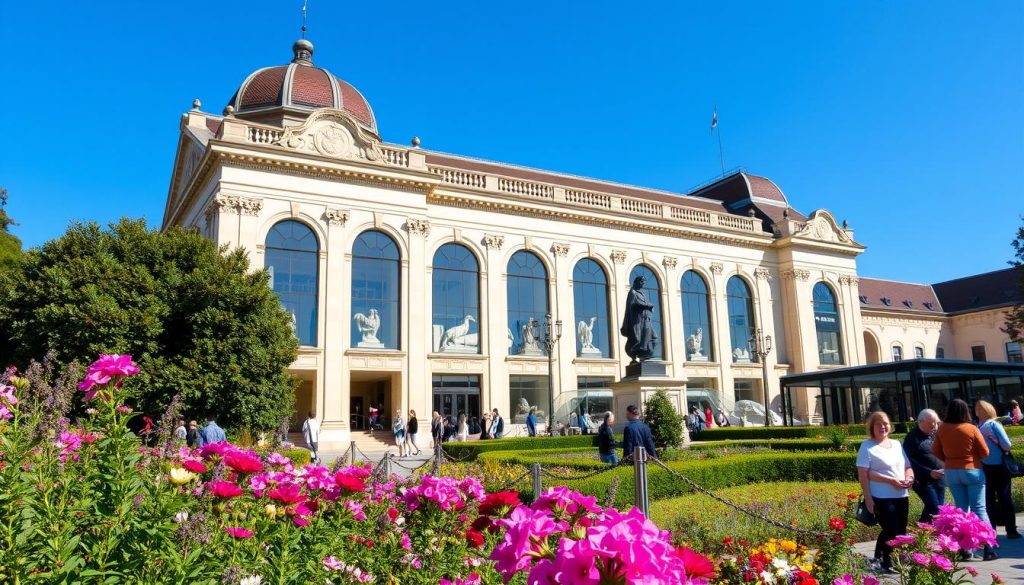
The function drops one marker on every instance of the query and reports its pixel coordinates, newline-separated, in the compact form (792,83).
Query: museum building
(430,281)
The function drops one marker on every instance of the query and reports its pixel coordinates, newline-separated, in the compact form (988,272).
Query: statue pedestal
(641,382)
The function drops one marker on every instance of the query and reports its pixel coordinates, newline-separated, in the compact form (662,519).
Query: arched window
(527,303)
(292,259)
(375,291)
(456,299)
(590,297)
(652,290)
(826,324)
(741,319)
(697,332)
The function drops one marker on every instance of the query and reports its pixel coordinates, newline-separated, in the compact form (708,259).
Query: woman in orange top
(961,448)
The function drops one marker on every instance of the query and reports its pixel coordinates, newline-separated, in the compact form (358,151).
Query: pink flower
(237,531)
(219,448)
(356,509)
(526,528)
(696,564)
(564,499)
(574,563)
(902,539)
(193,465)
(243,462)
(224,489)
(965,528)
(287,493)
(333,564)
(942,562)
(972,571)
(921,559)
(846,579)
(871,580)
(108,368)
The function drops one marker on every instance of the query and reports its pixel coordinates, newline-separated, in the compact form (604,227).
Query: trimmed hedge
(472,449)
(298,456)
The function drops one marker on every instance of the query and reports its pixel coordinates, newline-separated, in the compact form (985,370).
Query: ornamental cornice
(762,274)
(717,267)
(933,323)
(494,241)
(669,262)
(418,227)
(796,274)
(618,256)
(559,249)
(334,216)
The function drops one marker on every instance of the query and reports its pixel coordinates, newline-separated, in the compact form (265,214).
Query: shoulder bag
(863,516)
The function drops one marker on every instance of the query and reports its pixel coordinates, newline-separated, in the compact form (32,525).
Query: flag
(714,121)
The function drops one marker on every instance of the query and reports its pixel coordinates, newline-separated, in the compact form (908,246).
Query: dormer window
(886,301)
(864,299)
(929,305)
(908,304)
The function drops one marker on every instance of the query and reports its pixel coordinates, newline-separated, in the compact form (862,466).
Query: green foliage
(195,319)
(1015,316)
(666,424)
(472,449)
(298,456)
(812,432)
(838,436)
(10,245)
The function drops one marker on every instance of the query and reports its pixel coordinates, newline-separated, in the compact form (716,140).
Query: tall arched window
(527,303)
(826,324)
(292,254)
(456,299)
(590,297)
(741,319)
(375,291)
(697,332)
(652,290)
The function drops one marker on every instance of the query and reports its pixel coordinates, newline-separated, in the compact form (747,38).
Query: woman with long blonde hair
(998,495)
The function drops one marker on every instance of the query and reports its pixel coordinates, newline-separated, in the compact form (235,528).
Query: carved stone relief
(795,274)
(762,273)
(669,262)
(494,241)
(418,227)
(559,249)
(618,256)
(333,134)
(717,267)
(335,216)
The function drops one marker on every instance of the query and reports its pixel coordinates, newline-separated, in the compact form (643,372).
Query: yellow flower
(788,546)
(271,510)
(181,476)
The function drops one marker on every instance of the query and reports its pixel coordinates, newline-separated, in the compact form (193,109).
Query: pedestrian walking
(606,443)
(636,434)
(411,429)
(311,433)
(929,475)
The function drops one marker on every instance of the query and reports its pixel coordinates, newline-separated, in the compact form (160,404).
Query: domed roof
(299,88)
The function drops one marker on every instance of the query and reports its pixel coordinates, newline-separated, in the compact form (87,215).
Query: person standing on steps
(398,428)
(311,433)
(636,434)
(411,428)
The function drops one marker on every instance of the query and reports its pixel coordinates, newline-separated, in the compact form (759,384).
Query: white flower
(254,580)
(181,517)
(767,577)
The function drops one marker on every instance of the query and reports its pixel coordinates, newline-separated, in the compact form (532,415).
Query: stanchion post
(352,453)
(535,473)
(387,466)
(640,479)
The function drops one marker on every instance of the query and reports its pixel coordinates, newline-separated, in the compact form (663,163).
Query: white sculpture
(511,339)
(457,335)
(368,326)
(585,334)
(293,323)
(826,349)
(740,355)
(695,345)
(531,344)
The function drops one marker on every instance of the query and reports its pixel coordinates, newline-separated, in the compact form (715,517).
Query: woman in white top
(398,428)
(463,430)
(885,474)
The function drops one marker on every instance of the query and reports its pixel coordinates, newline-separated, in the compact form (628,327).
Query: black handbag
(863,516)
(1010,465)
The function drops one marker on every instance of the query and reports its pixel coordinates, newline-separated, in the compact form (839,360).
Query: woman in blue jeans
(961,448)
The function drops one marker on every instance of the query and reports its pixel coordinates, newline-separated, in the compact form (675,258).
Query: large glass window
(593,400)
(826,324)
(741,319)
(292,258)
(590,295)
(978,353)
(528,393)
(1013,352)
(457,395)
(652,290)
(456,299)
(527,303)
(897,353)
(375,291)
(697,330)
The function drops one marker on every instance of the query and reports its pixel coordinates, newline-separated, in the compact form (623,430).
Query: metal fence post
(387,467)
(640,479)
(352,453)
(535,472)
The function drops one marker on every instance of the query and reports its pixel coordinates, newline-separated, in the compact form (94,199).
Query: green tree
(10,245)
(195,318)
(1015,318)
(666,424)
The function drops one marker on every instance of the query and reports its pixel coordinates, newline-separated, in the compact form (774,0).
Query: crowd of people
(953,452)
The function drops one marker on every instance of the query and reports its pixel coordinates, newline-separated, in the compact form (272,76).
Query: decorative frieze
(762,274)
(717,268)
(494,241)
(848,279)
(560,249)
(418,227)
(335,216)
(224,203)
(669,262)
(796,274)
(618,256)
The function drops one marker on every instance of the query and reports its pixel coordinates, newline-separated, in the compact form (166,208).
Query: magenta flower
(527,529)
(965,528)
(287,493)
(243,462)
(238,532)
(901,540)
(333,564)
(109,368)
(574,563)
(224,489)
(921,559)
(564,499)
(942,562)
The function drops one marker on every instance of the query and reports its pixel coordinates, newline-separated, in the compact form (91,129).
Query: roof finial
(303,18)
(303,49)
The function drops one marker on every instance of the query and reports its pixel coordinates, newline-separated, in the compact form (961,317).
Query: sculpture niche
(638,328)
(585,335)
(458,339)
(695,346)
(368,326)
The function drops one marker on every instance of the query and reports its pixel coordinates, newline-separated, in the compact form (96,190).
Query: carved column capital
(763,273)
(618,256)
(796,274)
(848,279)
(250,205)
(494,241)
(226,203)
(717,267)
(335,216)
(669,262)
(419,227)
(560,249)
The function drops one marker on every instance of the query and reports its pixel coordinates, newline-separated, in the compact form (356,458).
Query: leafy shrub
(838,436)
(470,450)
(298,456)
(666,424)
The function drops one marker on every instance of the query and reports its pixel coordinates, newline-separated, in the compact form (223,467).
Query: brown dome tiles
(264,89)
(312,87)
(764,188)
(354,103)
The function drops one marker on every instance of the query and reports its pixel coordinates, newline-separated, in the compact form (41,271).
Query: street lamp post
(552,333)
(763,347)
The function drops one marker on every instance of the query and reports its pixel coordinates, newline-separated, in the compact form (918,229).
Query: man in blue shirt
(211,433)
(531,424)
(636,434)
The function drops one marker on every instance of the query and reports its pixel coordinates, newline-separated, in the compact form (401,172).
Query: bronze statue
(637,323)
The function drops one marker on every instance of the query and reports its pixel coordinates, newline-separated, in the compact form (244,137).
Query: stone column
(494,388)
(672,309)
(332,400)
(562,308)
(418,326)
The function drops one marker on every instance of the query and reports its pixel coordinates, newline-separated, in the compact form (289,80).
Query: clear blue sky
(904,118)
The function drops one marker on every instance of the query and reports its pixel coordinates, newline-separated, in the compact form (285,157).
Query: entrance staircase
(376,443)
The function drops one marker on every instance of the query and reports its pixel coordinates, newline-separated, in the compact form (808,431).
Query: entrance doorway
(457,395)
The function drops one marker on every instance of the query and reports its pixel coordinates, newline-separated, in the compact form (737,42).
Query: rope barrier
(584,476)
(742,509)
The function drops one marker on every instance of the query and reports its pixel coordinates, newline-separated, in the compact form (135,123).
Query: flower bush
(933,554)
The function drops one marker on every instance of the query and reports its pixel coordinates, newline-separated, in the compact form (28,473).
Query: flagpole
(721,157)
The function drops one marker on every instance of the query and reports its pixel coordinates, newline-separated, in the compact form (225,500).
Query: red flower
(499,501)
(349,482)
(696,565)
(194,466)
(481,523)
(837,524)
(237,531)
(243,462)
(224,489)
(287,493)
(474,538)
(393,513)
